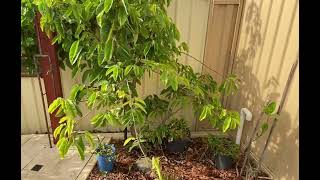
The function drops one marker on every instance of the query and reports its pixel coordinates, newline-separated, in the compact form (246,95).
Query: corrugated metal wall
(268,47)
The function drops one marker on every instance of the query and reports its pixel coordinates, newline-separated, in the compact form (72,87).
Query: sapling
(113,44)
(268,110)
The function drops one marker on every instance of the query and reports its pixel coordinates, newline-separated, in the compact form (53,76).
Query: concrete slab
(32,147)
(36,150)
(25,138)
(33,175)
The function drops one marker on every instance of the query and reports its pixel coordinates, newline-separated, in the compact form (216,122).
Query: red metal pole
(50,71)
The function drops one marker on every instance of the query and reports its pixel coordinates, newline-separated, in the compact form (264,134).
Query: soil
(193,164)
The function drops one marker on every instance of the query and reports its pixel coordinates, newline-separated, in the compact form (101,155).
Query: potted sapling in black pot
(224,151)
(178,135)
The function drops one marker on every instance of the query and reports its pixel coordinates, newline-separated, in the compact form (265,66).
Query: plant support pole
(43,104)
(274,123)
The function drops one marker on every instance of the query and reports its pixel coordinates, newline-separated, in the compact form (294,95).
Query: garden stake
(42,94)
(274,123)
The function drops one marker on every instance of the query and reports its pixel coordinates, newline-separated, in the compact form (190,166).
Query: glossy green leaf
(127,70)
(74,91)
(128,140)
(89,138)
(140,101)
(269,108)
(107,5)
(146,49)
(54,105)
(70,126)
(97,119)
(63,146)
(264,127)
(58,130)
(63,119)
(108,50)
(140,107)
(185,46)
(99,18)
(226,124)
(115,73)
(92,99)
(125,7)
(73,51)
(80,146)
(70,108)
(203,114)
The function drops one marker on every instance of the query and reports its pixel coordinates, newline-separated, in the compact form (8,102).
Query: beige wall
(268,46)
(32,115)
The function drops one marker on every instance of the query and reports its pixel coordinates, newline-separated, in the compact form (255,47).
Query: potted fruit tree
(105,157)
(113,45)
(224,151)
(179,134)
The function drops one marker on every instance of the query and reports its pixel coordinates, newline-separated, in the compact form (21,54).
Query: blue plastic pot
(106,163)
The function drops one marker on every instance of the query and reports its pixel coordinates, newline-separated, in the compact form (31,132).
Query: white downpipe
(245,114)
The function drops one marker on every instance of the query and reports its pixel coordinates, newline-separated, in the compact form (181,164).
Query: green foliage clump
(28,37)
(106,150)
(178,129)
(175,129)
(223,146)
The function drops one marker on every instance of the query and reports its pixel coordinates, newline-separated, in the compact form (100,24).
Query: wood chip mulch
(193,164)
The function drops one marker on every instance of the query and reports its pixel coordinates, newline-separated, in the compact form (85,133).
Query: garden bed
(191,164)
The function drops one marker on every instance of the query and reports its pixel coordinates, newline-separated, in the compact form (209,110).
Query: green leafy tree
(28,37)
(113,43)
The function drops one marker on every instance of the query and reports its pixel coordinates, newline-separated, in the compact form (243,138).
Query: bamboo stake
(285,94)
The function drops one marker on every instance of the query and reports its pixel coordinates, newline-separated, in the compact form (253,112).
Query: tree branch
(202,63)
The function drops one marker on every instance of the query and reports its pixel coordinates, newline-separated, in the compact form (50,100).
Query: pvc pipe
(245,114)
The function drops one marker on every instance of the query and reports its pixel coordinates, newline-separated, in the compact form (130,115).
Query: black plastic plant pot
(177,146)
(223,162)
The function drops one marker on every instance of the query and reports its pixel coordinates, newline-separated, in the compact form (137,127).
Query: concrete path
(35,150)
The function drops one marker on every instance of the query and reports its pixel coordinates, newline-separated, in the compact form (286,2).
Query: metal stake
(40,85)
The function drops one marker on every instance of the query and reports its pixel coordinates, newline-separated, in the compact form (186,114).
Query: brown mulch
(193,164)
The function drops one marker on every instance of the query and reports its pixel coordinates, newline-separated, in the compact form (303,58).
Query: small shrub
(223,146)
(178,129)
(106,150)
